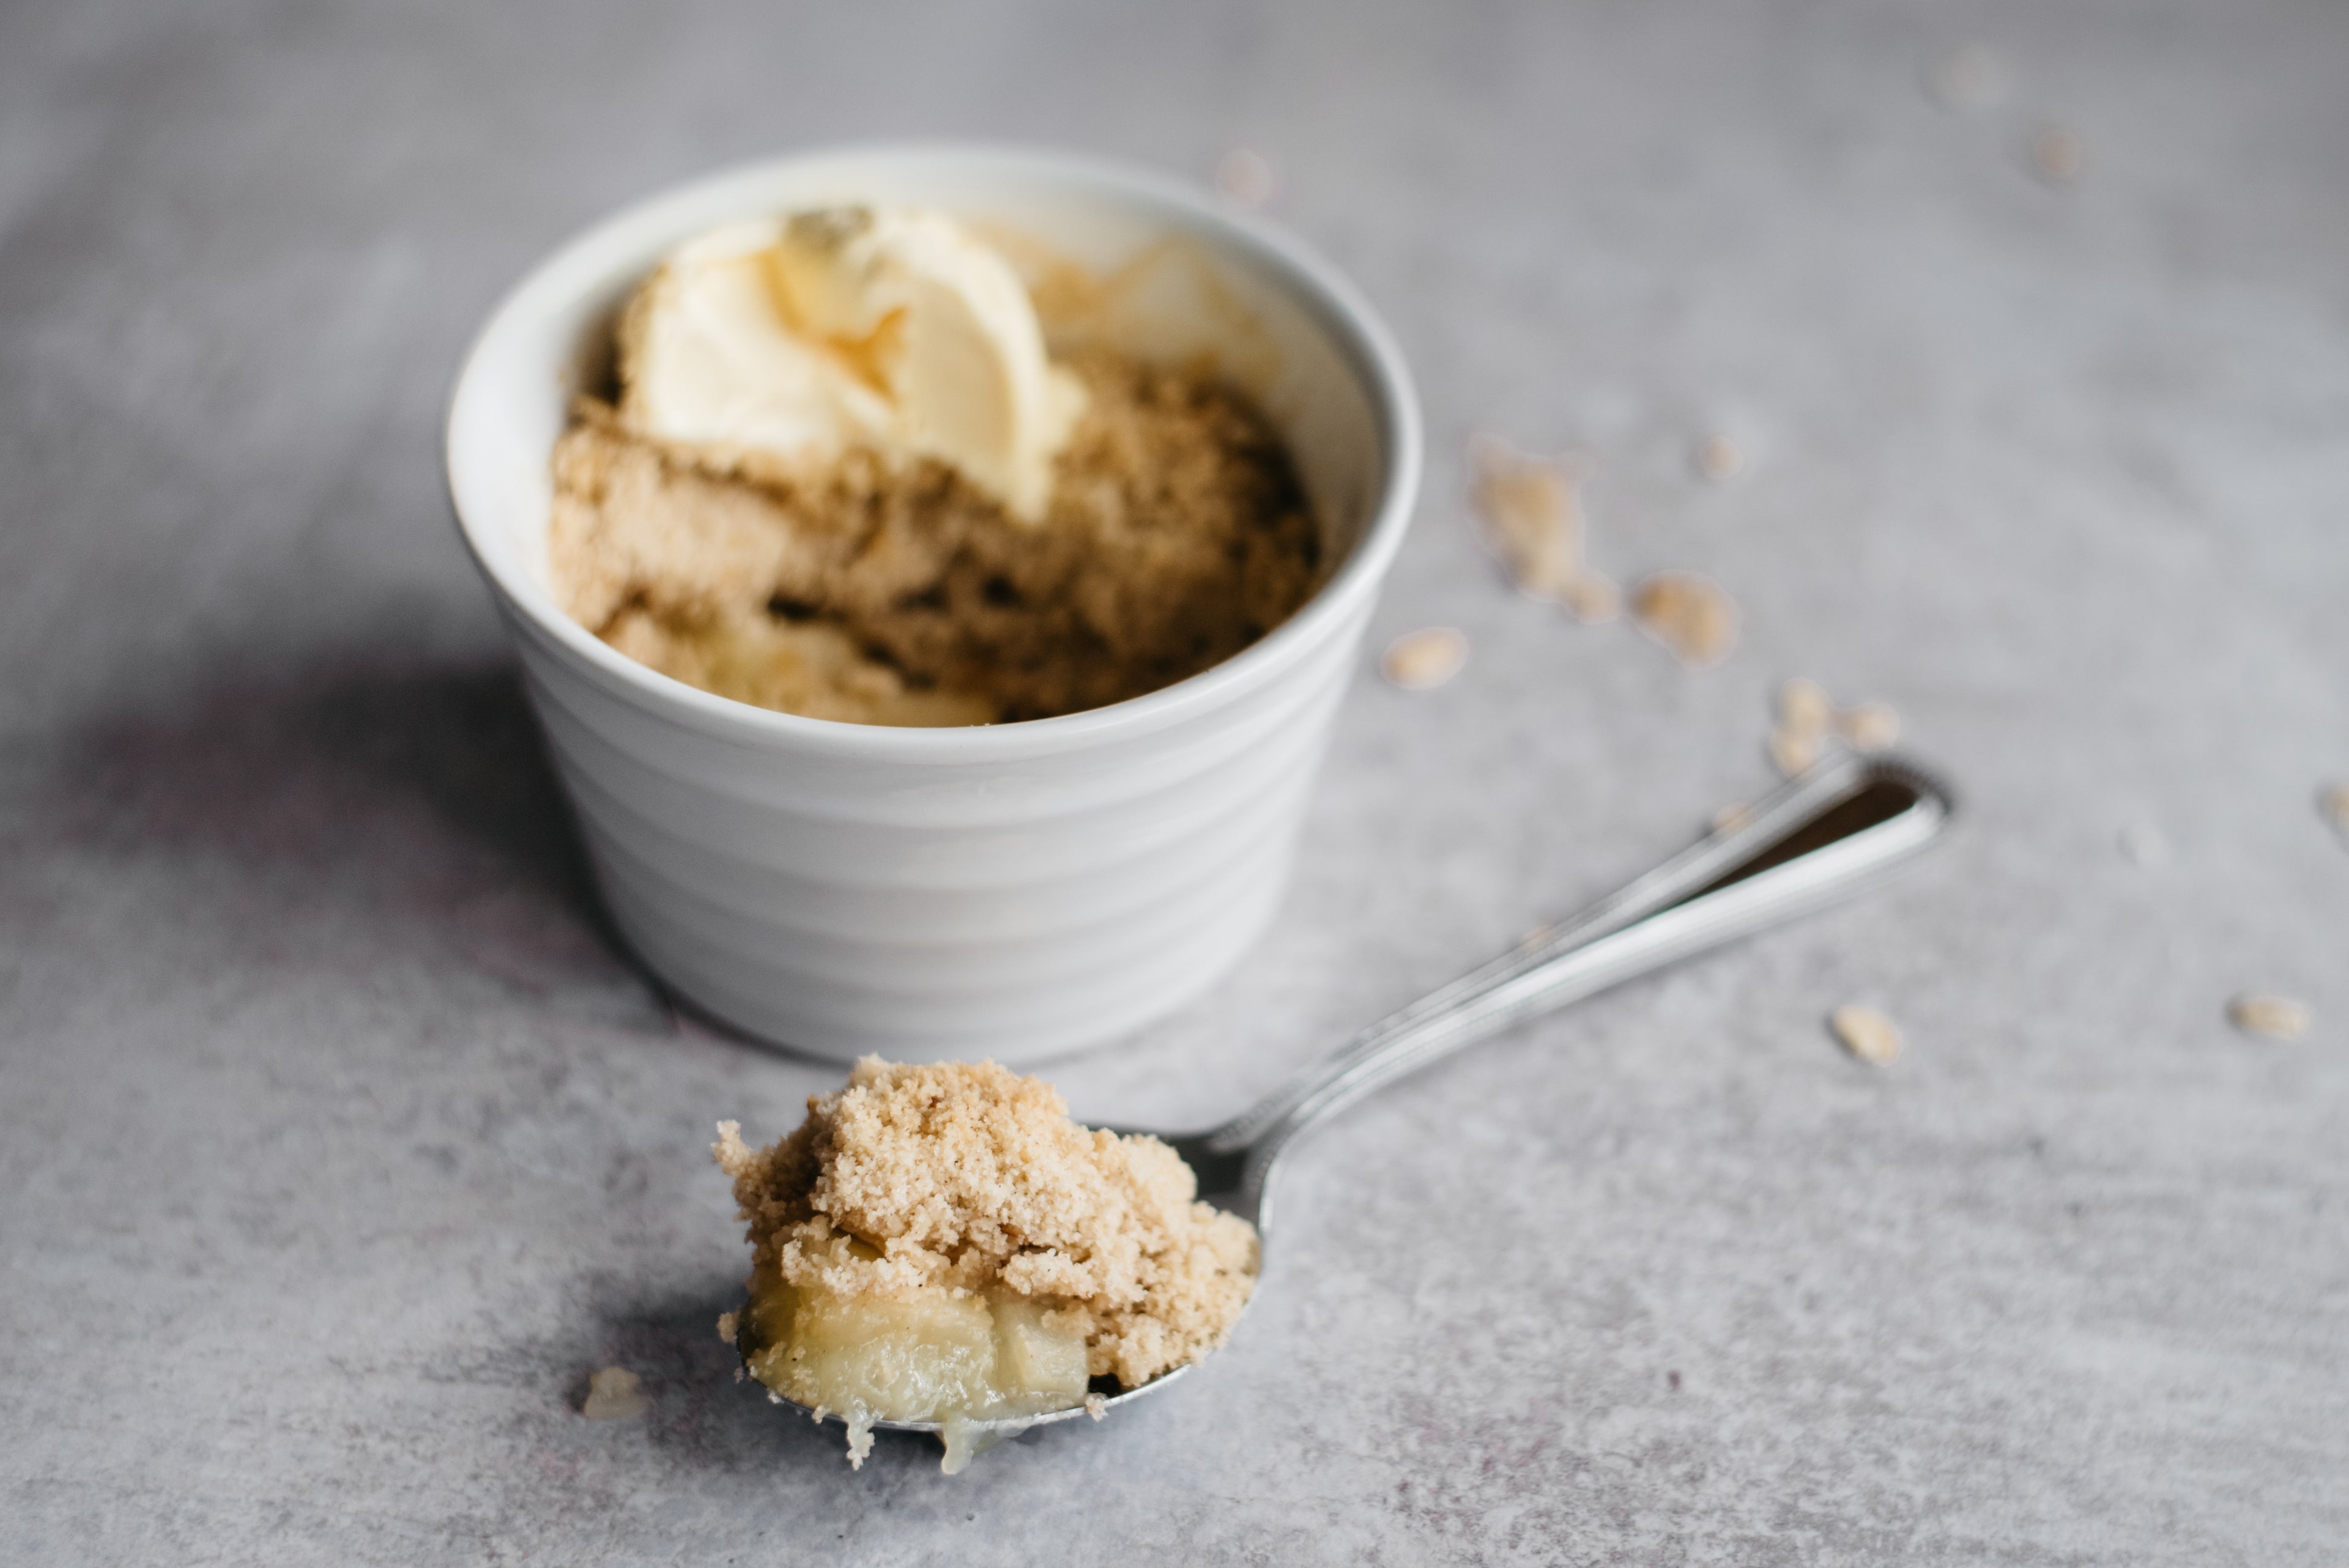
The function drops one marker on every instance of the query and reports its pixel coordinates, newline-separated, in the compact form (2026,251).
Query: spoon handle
(1819,837)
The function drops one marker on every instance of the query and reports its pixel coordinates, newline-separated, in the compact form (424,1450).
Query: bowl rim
(561,276)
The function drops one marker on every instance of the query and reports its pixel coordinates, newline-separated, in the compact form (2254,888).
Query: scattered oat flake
(613,1395)
(1793,751)
(1718,459)
(1531,514)
(1423,660)
(1246,176)
(726,1325)
(1591,598)
(1732,817)
(2143,846)
(1969,77)
(1870,727)
(1804,707)
(1866,1033)
(2059,155)
(1804,714)
(1531,510)
(1808,721)
(1690,615)
(2332,805)
(2274,1017)
(1096,1406)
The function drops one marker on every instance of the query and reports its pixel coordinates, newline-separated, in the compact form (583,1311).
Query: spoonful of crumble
(942,1249)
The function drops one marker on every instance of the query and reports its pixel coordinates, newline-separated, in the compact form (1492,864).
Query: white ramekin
(1016,891)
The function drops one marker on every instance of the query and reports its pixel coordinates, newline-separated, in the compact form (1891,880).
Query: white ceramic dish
(1017,890)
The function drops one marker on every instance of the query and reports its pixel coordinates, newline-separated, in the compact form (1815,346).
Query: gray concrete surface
(337,1143)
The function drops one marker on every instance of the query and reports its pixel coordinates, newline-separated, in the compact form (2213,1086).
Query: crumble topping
(974,1179)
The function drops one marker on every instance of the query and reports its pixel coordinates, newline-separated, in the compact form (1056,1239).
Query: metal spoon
(1816,839)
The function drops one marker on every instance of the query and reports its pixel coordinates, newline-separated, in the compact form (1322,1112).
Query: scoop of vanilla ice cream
(709,355)
(884,327)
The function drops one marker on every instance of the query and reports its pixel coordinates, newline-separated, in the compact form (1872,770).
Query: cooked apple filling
(931,1354)
(943,1243)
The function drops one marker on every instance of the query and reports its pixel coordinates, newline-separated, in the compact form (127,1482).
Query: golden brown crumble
(2275,1017)
(1690,615)
(614,1394)
(1808,720)
(1865,1034)
(1718,459)
(1531,508)
(854,589)
(1424,659)
(974,1178)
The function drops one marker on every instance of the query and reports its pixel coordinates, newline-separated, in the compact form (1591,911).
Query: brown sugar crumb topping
(855,589)
(1691,615)
(1808,721)
(2272,1017)
(974,1179)
(1531,510)
(614,1394)
(1425,659)
(1865,1034)
(1718,459)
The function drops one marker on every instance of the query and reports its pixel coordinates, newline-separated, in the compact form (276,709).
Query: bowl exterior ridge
(793,919)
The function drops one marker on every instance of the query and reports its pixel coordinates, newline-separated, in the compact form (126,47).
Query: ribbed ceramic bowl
(1017,890)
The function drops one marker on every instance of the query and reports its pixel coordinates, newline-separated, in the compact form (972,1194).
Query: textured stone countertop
(338,1143)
